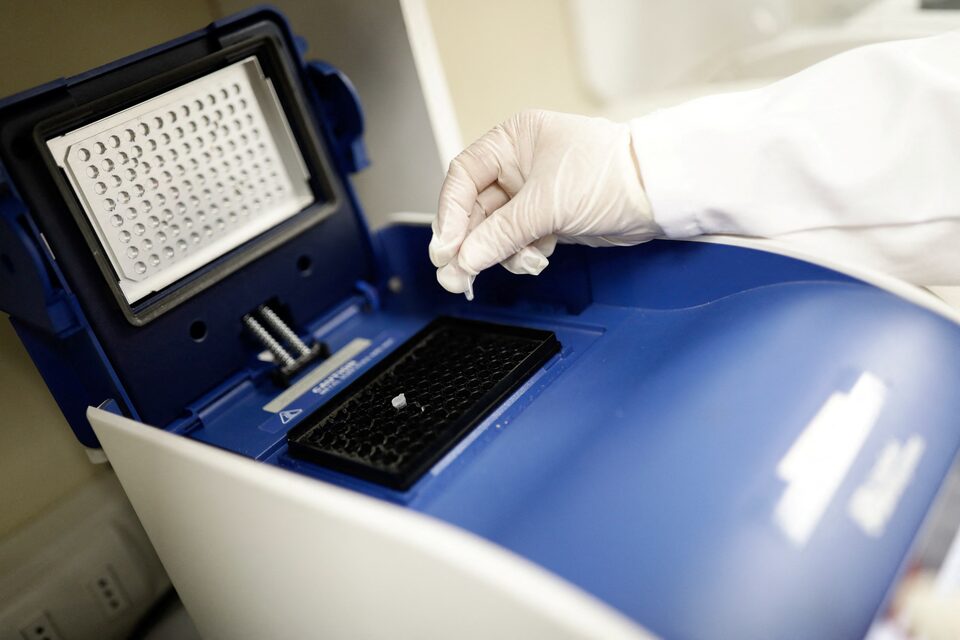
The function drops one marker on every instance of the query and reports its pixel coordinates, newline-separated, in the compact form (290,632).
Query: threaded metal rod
(284,330)
(268,341)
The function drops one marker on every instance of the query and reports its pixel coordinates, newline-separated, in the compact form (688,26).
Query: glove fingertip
(534,262)
(453,279)
(529,261)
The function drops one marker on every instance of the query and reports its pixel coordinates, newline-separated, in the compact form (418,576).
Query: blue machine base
(641,463)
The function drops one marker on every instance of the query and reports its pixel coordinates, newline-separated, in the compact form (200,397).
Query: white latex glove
(537,178)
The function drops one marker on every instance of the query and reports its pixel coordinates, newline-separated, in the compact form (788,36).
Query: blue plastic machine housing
(147,357)
(641,463)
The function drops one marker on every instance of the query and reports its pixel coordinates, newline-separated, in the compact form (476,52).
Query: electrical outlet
(109,593)
(83,570)
(40,628)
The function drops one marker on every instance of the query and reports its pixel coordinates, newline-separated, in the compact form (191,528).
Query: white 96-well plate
(177,181)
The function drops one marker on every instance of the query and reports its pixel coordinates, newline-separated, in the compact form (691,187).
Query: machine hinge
(371,296)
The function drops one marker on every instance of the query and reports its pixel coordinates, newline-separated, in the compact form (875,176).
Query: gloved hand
(537,178)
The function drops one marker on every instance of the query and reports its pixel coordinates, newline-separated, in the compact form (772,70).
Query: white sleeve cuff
(665,177)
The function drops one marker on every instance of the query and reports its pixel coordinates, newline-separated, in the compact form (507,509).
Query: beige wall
(501,56)
(40,460)
(42,40)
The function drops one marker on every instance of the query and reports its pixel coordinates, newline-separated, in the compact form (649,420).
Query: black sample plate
(452,373)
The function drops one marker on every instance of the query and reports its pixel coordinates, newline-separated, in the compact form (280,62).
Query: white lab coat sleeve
(856,158)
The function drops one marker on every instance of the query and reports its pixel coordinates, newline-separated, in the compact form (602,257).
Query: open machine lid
(172,192)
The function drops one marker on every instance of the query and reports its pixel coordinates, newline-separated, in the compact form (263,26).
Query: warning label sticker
(289,414)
